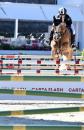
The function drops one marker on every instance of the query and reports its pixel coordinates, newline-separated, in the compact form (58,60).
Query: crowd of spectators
(33,42)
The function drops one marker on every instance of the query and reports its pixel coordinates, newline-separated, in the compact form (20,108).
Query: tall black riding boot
(51,37)
(73,42)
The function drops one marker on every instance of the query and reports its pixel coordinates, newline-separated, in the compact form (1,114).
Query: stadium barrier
(41,93)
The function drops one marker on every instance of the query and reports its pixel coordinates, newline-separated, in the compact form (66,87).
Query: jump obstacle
(41,111)
(27,68)
(39,66)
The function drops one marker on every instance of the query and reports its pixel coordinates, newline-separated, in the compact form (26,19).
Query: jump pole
(34,127)
(41,111)
(41,78)
(45,127)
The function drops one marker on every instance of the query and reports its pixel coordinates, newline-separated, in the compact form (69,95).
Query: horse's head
(61,28)
(56,35)
(59,31)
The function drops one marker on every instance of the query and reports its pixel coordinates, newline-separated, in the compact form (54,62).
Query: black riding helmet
(62,11)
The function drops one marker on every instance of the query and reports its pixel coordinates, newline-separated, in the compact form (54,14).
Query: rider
(57,20)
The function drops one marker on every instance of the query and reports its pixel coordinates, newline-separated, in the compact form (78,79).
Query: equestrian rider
(62,17)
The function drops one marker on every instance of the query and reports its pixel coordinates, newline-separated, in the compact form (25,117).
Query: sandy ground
(71,118)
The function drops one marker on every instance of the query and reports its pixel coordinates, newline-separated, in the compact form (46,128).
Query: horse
(61,42)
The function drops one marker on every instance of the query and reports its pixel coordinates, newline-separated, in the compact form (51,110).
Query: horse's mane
(62,28)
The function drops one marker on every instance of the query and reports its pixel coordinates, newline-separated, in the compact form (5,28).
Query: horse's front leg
(53,49)
(53,52)
(70,54)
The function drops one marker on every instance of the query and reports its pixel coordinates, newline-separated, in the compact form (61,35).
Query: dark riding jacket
(58,20)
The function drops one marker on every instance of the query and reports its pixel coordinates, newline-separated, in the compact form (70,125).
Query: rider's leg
(71,35)
(51,36)
(72,38)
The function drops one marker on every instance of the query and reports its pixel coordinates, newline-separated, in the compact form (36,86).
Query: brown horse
(61,43)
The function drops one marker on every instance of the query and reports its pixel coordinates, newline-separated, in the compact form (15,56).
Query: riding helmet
(62,11)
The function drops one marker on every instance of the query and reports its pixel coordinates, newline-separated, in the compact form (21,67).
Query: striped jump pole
(41,111)
(41,93)
(22,56)
(45,127)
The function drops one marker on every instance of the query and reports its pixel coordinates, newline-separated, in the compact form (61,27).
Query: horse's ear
(54,19)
